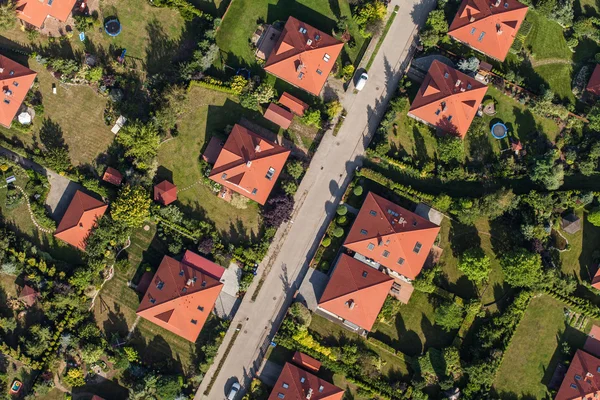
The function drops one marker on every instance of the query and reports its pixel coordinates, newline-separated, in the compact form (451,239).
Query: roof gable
(35,12)
(593,85)
(295,383)
(15,82)
(165,192)
(79,219)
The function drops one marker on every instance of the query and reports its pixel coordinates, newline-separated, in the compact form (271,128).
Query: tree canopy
(140,142)
(475,264)
(449,316)
(522,268)
(132,206)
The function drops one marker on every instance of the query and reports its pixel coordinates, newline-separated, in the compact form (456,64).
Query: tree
(449,316)
(301,314)
(333,108)
(358,191)
(8,324)
(338,232)
(312,118)
(289,187)
(75,377)
(593,216)
(475,265)
(450,149)
(58,159)
(171,107)
(295,169)
(594,118)
(132,206)
(341,209)
(369,17)
(278,210)
(452,361)
(8,14)
(522,268)
(545,171)
(140,142)
(264,93)
(435,28)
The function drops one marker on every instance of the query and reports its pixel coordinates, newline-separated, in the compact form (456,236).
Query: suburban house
(593,85)
(582,380)
(488,26)
(447,99)
(79,219)
(355,293)
(182,294)
(35,12)
(16,80)
(249,164)
(165,193)
(303,56)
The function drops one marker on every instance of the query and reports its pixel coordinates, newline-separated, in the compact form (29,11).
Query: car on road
(362,81)
(235,388)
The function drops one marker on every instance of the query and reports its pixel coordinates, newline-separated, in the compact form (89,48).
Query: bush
(289,187)
(295,169)
(358,191)
(348,72)
(342,220)
(342,210)
(593,216)
(312,118)
(278,210)
(449,316)
(326,242)
(338,232)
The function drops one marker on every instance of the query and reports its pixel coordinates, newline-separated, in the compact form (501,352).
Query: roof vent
(309,42)
(443,106)
(248,163)
(458,82)
(498,29)
(472,19)
(350,304)
(189,282)
(497,3)
(257,148)
(81,225)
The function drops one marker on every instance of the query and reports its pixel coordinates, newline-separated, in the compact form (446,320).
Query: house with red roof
(582,380)
(165,193)
(297,384)
(181,295)
(35,12)
(111,175)
(447,99)
(302,360)
(15,80)
(249,164)
(303,56)
(293,104)
(488,26)
(279,115)
(391,236)
(79,219)
(593,85)
(355,293)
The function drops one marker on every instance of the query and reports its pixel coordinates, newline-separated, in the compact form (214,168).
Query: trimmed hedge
(212,86)
(398,188)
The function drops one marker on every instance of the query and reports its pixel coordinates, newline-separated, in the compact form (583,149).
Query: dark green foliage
(449,316)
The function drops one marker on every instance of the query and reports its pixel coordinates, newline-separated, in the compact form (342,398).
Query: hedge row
(400,189)
(400,166)
(389,349)
(576,303)
(178,228)
(211,86)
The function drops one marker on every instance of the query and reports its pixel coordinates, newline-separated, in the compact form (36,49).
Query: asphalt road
(330,171)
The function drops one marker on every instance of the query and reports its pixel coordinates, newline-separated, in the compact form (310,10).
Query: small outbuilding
(165,193)
(293,104)
(28,295)
(279,115)
(570,223)
(111,175)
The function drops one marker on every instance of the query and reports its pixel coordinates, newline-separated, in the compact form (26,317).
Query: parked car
(235,388)
(362,81)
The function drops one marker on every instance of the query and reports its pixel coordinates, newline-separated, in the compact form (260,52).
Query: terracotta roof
(279,115)
(596,279)
(113,176)
(212,150)
(383,228)
(28,295)
(195,260)
(592,343)
(582,378)
(294,104)
(296,384)
(249,164)
(488,26)
(35,12)
(180,298)
(302,360)
(15,81)
(165,192)
(304,56)
(593,85)
(448,99)
(79,219)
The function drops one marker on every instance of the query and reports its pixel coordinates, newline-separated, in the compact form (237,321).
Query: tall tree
(522,268)
(475,264)
(132,207)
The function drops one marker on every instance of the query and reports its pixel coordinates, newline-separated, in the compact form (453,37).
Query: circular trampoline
(499,130)
(112,27)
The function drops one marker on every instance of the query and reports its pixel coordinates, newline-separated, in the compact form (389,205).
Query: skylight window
(301,75)
(417,248)
(285,385)
(319,72)
(181,273)
(438,111)
(203,284)
(16,83)
(373,213)
(481,35)
(7,101)
(50,2)
(302,380)
(152,300)
(160,285)
(400,261)
(578,377)
(386,253)
(281,395)
(473,31)
(270,173)
(326,57)
(469,86)
(505,5)
(321,388)
(363,231)
(371,246)
(224,176)
(446,74)
(302,30)
(254,191)
(449,117)
(194,321)
(200,308)
(364,274)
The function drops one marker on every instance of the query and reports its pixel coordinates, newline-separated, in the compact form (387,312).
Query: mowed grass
(578,260)
(546,39)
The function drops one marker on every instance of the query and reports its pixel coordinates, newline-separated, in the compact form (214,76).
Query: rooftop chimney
(350,304)
(308,42)
(498,29)
(472,19)
(309,394)
(458,82)
(248,163)
(497,3)
(257,148)
(299,67)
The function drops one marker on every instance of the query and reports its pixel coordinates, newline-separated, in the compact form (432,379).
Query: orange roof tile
(593,85)
(356,292)
(392,236)
(35,12)
(582,378)
(15,81)
(180,298)
(296,384)
(196,260)
(302,360)
(596,279)
(165,192)
(249,164)
(113,176)
(279,115)
(488,26)
(294,104)
(448,99)
(304,56)
(79,219)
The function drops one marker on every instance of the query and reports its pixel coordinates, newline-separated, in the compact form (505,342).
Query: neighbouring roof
(35,12)
(402,290)
(392,236)
(356,292)
(488,26)
(570,223)
(28,295)
(79,219)
(212,150)
(15,80)
(249,164)
(165,192)
(592,343)
(593,85)
(279,115)
(196,260)
(596,279)
(180,298)
(294,383)
(111,175)
(304,56)
(294,104)
(302,360)
(429,213)
(582,378)
(448,99)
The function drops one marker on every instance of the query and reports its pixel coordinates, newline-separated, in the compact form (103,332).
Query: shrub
(342,220)
(449,316)
(358,191)
(333,108)
(289,187)
(278,210)
(342,210)
(295,169)
(594,216)
(348,72)
(338,232)
(326,242)
(312,118)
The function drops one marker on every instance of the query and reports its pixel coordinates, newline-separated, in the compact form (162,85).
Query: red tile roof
(279,115)
(113,176)
(212,150)
(28,295)
(296,384)
(246,163)
(304,56)
(596,279)
(35,12)
(582,378)
(593,85)
(448,99)
(195,260)
(180,298)
(302,360)
(79,219)
(15,81)
(488,26)
(294,104)
(165,193)
(383,228)
(356,292)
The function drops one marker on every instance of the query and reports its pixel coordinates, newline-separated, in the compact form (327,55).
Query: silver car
(235,388)
(362,81)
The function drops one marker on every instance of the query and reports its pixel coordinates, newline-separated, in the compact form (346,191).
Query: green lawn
(578,260)
(546,39)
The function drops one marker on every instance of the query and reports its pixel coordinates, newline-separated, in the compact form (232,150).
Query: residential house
(303,56)
(16,80)
(35,12)
(488,26)
(249,164)
(165,193)
(297,384)
(593,85)
(582,380)
(79,219)
(447,99)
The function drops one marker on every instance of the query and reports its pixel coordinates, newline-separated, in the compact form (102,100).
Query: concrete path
(321,189)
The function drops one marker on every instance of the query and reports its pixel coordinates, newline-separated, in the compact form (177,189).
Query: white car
(235,388)
(362,81)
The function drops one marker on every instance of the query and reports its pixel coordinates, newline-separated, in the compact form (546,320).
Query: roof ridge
(360,289)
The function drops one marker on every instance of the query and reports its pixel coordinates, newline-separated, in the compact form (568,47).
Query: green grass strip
(382,37)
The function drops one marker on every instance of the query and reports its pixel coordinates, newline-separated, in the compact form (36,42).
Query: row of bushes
(578,304)
(213,85)
(400,166)
(186,9)
(399,188)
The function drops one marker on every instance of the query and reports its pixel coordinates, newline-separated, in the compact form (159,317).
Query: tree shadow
(51,135)
(505,234)
(115,321)
(463,237)
(420,11)
(420,148)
